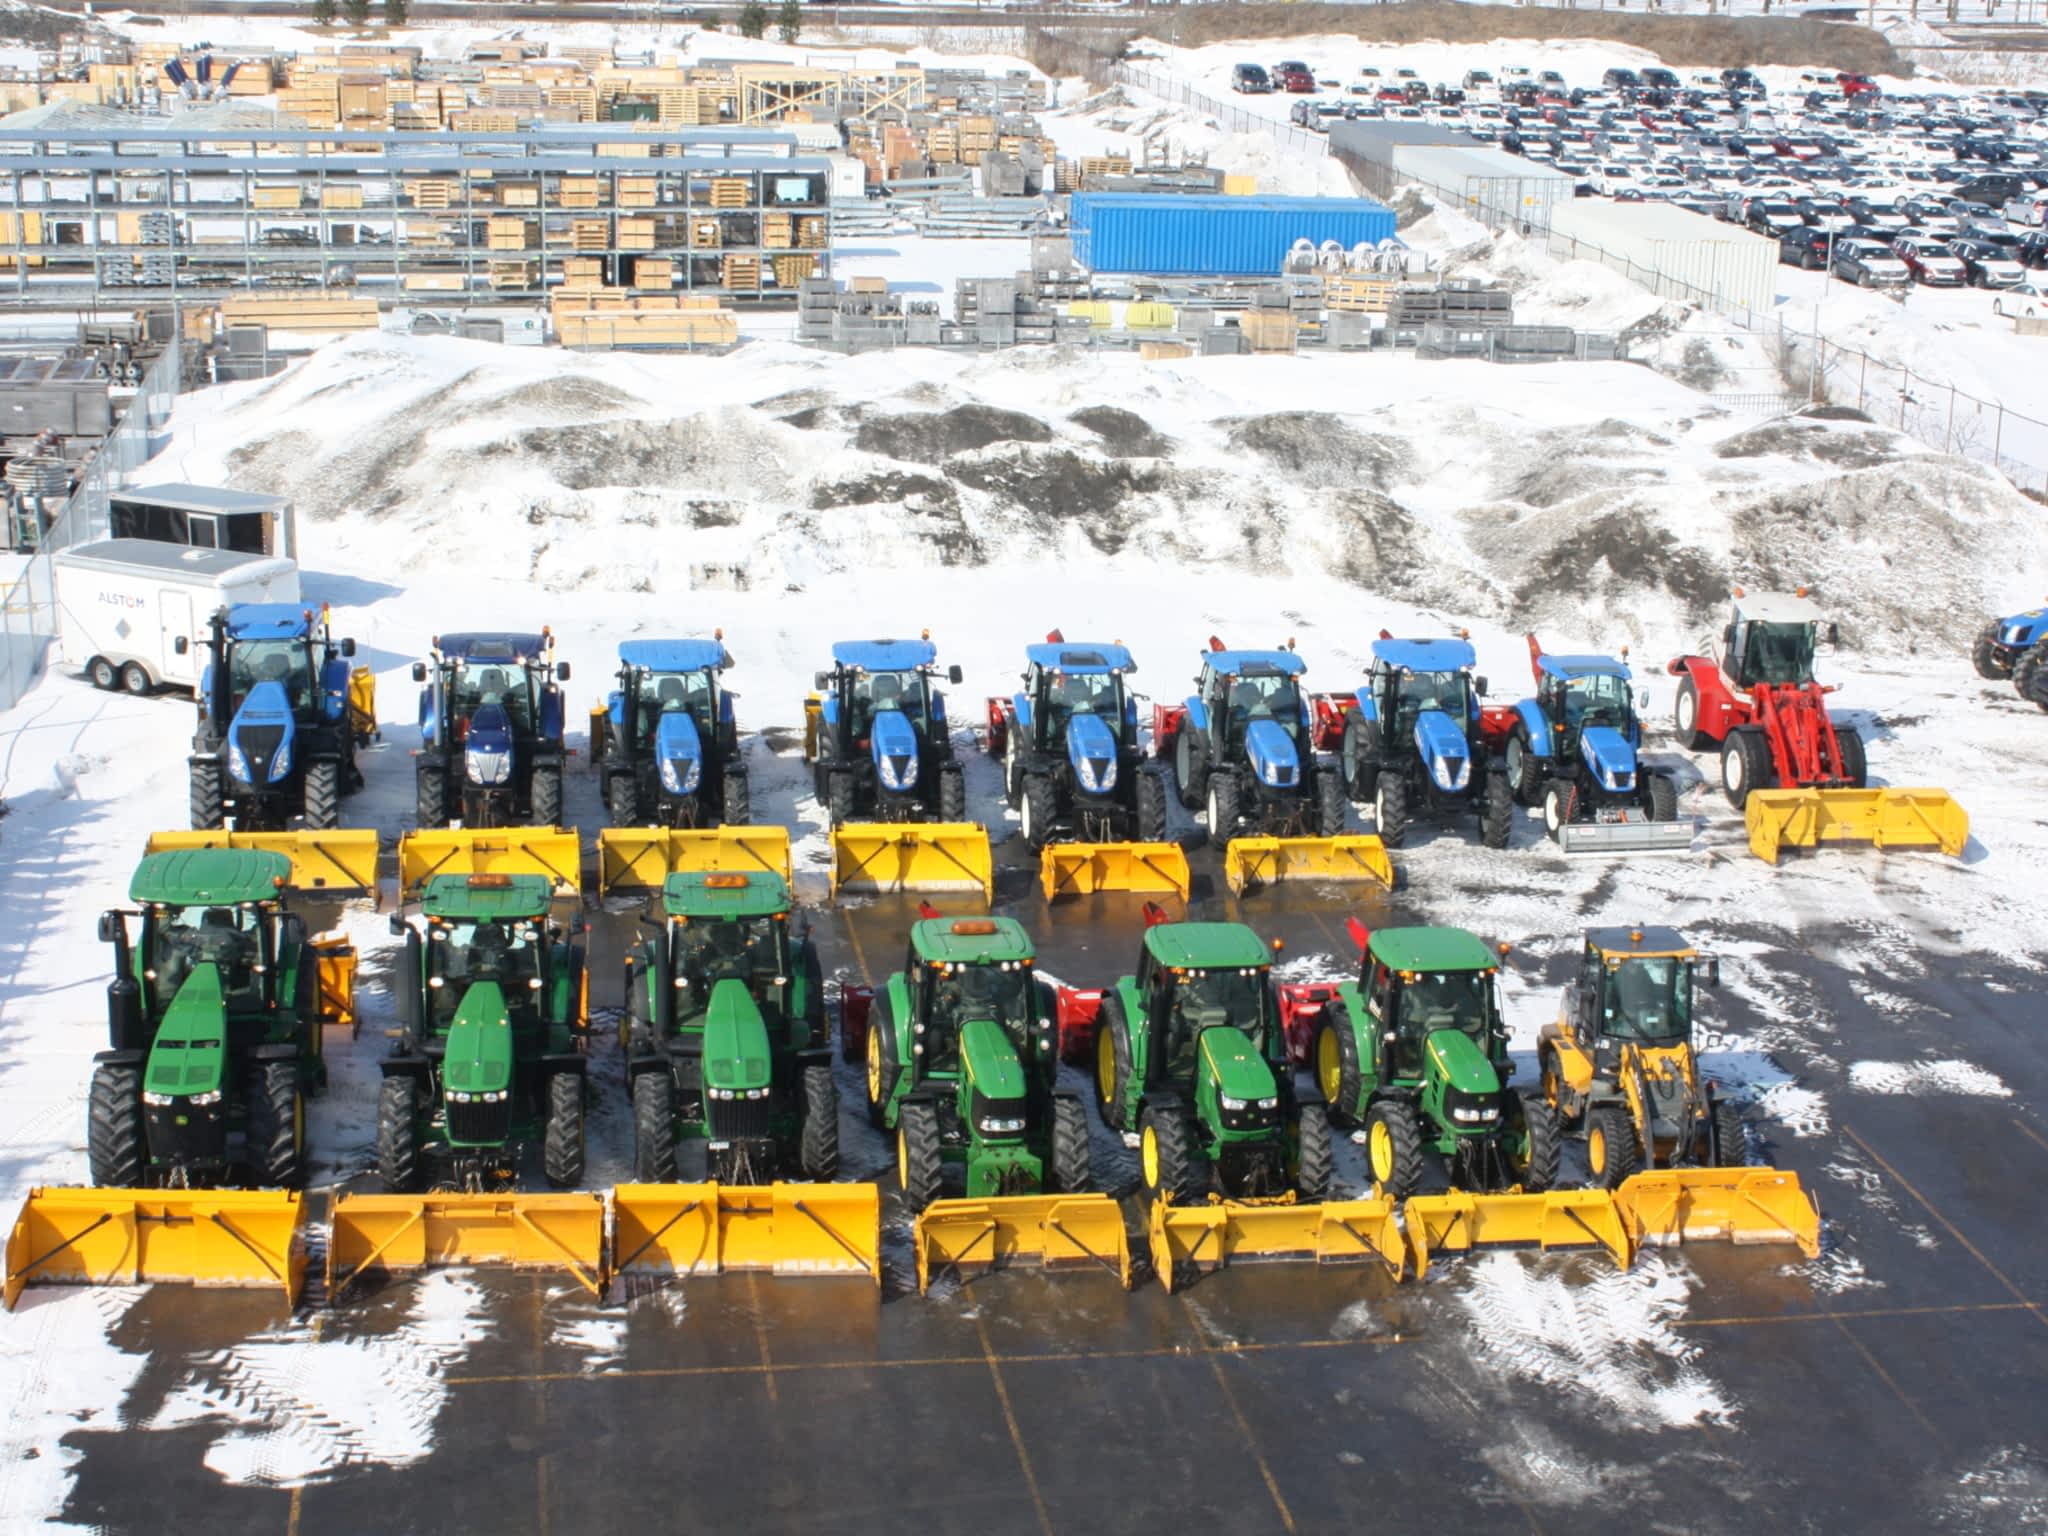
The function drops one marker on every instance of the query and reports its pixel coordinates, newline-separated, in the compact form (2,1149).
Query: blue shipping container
(1166,234)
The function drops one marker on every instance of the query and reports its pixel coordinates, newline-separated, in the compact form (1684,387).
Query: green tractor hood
(1238,1071)
(993,1075)
(479,1054)
(1456,1061)
(189,1054)
(736,1053)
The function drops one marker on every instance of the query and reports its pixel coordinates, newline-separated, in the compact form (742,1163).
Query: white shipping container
(123,606)
(1489,184)
(1674,252)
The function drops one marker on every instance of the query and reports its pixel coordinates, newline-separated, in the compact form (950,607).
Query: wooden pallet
(742,274)
(731,192)
(312,313)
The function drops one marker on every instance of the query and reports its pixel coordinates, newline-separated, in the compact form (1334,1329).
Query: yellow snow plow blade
(912,856)
(641,858)
(1889,817)
(397,1234)
(1036,1231)
(1737,1205)
(238,1237)
(1255,861)
(337,862)
(1079,869)
(786,1229)
(334,975)
(498,851)
(1198,1238)
(1558,1218)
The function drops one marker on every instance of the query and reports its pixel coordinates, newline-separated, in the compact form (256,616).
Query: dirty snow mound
(1926,1077)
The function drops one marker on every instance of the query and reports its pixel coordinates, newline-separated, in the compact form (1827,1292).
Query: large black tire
(1316,1153)
(1338,1071)
(1390,809)
(1745,764)
(1360,757)
(1538,1169)
(208,802)
(1558,798)
(1151,792)
(547,799)
(275,1137)
(839,797)
(1525,769)
(1855,767)
(1172,1165)
(952,793)
(115,1146)
(654,1127)
(398,1135)
(2036,691)
(737,801)
(1984,654)
(1660,790)
(1191,767)
(1224,807)
(1329,803)
(1072,1172)
(819,1149)
(919,1166)
(562,1140)
(1497,813)
(622,799)
(1113,1061)
(1040,805)
(2025,669)
(1612,1152)
(1393,1148)
(1685,718)
(880,1060)
(1013,767)
(1731,1136)
(323,795)
(431,796)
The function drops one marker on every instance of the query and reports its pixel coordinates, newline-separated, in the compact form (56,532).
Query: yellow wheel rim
(1329,1065)
(1148,1156)
(1596,1149)
(874,1063)
(1381,1145)
(1105,1067)
(903,1156)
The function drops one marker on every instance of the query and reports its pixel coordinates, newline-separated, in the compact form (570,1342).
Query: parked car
(1869,264)
(1805,248)
(1773,217)
(1930,265)
(1297,82)
(1986,265)
(2029,301)
(1251,80)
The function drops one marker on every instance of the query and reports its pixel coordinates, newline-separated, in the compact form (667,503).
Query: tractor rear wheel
(2025,669)
(1191,766)
(1536,1164)
(1360,756)
(114,1141)
(1329,803)
(839,797)
(1611,1150)
(323,795)
(1173,1166)
(1337,1072)
(1390,809)
(1745,764)
(275,1138)
(1984,654)
(2037,689)
(820,1142)
(1040,802)
(1731,1136)
(736,803)
(1525,769)
(1225,806)
(431,796)
(1393,1148)
(1315,1153)
(547,795)
(622,799)
(1685,716)
(654,1127)
(398,1135)
(1151,790)
(1661,792)
(919,1166)
(1072,1171)
(1855,767)
(208,802)
(1497,813)
(1113,1061)
(952,793)
(562,1140)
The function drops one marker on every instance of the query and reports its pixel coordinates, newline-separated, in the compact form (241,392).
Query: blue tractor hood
(1444,751)
(1272,753)
(679,751)
(260,739)
(1609,757)
(893,740)
(1091,748)
(487,748)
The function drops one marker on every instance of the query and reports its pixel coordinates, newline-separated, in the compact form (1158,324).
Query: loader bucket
(1889,817)
(1558,1218)
(1078,869)
(1638,834)
(499,851)
(912,856)
(1249,862)
(1737,1205)
(235,1237)
(1200,1238)
(1049,1231)
(397,1234)
(786,1229)
(641,858)
(335,862)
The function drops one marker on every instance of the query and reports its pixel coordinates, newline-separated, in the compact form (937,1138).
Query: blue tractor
(1069,747)
(1242,748)
(275,738)
(1575,749)
(667,742)
(490,731)
(1415,743)
(877,737)
(2016,647)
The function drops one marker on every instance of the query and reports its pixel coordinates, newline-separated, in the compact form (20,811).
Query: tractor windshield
(1270,697)
(1098,693)
(1234,996)
(460,952)
(969,992)
(1416,692)
(663,693)
(184,938)
(1462,1000)
(1777,653)
(477,683)
(745,949)
(876,692)
(272,661)
(1648,999)
(1601,699)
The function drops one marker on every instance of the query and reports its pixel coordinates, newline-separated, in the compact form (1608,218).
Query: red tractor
(1758,702)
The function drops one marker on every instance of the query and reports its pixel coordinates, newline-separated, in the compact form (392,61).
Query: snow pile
(1898,1077)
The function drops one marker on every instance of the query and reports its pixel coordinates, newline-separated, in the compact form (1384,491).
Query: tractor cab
(486,930)
(667,722)
(1771,638)
(881,734)
(1422,982)
(1257,706)
(879,688)
(1074,699)
(726,927)
(490,730)
(215,911)
(1196,977)
(1635,987)
(965,973)
(1411,679)
(1072,762)
(1582,693)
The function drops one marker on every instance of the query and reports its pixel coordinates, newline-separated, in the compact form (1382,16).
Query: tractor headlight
(1475,1114)
(681,775)
(157,1099)
(207,1098)
(1096,782)
(1001,1125)
(1234,1105)
(460,1098)
(757,1093)
(437,981)
(1272,1103)
(488,768)
(238,764)
(533,983)
(281,764)
(721,1093)
(898,771)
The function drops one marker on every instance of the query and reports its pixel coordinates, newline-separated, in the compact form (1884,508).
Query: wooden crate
(289,195)
(311,313)
(731,192)
(638,192)
(778,231)
(791,270)
(706,234)
(636,234)
(511,233)
(435,282)
(1163,351)
(742,274)
(653,272)
(580,192)
(1358,295)
(1268,330)
(589,235)
(810,232)
(341,195)
(519,194)
(647,328)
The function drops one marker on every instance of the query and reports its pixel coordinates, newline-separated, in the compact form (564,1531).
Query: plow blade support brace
(912,856)
(498,851)
(1221,1233)
(145,1237)
(640,859)
(1080,869)
(340,863)
(1558,1218)
(1049,1231)
(1737,1205)
(398,1234)
(1889,817)
(1249,862)
(785,1229)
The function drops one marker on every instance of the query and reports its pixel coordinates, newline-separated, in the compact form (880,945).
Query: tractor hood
(989,1062)
(1239,1071)
(190,1050)
(894,743)
(1440,742)
(1609,757)
(260,739)
(1091,748)
(478,1059)
(1456,1058)
(736,1056)
(680,751)
(1272,753)
(487,749)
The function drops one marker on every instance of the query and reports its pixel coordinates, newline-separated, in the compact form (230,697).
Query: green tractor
(492,1009)
(213,1019)
(1416,1050)
(1189,1054)
(961,1060)
(725,1036)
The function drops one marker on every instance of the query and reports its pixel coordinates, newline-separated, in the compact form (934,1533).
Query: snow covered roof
(884,655)
(1080,658)
(1425,655)
(1582,666)
(1254,663)
(674,655)
(267,621)
(492,646)
(1776,608)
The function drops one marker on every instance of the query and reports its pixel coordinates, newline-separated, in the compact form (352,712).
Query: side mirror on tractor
(110,927)
(348,646)
(953,674)
(821,681)
(397,925)
(419,671)
(181,646)
(1710,971)
(561,671)
(1479,686)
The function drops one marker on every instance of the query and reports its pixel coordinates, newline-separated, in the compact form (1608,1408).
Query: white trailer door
(174,610)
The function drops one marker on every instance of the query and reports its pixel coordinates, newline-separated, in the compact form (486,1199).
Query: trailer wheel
(1984,654)
(952,793)
(104,673)
(1040,801)
(1393,1148)
(654,1127)
(1685,716)
(820,1142)
(1173,1167)
(839,797)
(1390,809)
(1151,792)
(431,796)
(547,795)
(323,795)
(115,1147)
(1745,764)
(135,679)
(1855,768)
(1316,1154)
(1731,1136)
(1611,1150)
(276,1133)
(1662,792)
(1360,756)
(1497,813)
(920,1168)
(1072,1172)
(398,1135)
(1329,803)
(208,803)
(562,1140)
(736,798)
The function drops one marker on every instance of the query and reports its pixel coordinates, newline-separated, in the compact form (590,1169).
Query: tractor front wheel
(431,797)
(1225,806)
(654,1127)
(1731,1136)
(839,797)
(1113,1061)
(1984,654)
(1393,1147)
(276,1133)
(1337,1073)
(1557,808)
(1525,769)
(1745,764)
(398,1135)
(736,804)
(1360,756)
(547,795)
(1173,1166)
(1013,767)
(1315,1162)
(323,795)
(1151,807)
(820,1148)
(1535,1164)
(1390,809)
(115,1145)
(1611,1150)
(1191,766)
(1855,767)
(1329,803)
(1685,717)
(1072,1172)
(562,1140)
(1661,790)
(208,801)
(1497,811)
(1039,802)
(952,793)
(880,1060)
(622,799)
(919,1164)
